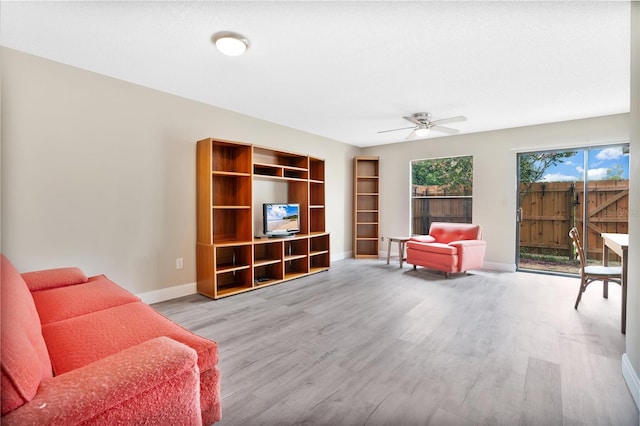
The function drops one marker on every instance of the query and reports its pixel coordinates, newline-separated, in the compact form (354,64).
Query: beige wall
(633,302)
(494,169)
(100,173)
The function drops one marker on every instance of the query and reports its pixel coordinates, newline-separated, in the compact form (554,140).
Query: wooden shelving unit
(229,259)
(366,214)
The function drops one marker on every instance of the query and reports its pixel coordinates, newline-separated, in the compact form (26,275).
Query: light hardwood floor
(370,344)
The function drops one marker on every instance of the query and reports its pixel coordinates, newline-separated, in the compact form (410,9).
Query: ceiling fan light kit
(423,125)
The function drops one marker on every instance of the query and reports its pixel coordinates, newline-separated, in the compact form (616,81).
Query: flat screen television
(280,219)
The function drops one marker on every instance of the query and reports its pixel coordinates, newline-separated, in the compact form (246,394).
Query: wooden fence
(435,204)
(549,210)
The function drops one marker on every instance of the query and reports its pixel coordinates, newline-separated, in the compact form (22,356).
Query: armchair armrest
(423,239)
(53,278)
(462,244)
(155,382)
(470,253)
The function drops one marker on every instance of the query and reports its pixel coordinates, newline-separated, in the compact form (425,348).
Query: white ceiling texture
(346,70)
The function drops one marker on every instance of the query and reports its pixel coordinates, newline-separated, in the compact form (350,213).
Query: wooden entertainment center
(229,258)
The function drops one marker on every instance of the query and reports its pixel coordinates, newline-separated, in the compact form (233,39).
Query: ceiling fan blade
(394,130)
(413,120)
(450,120)
(412,135)
(447,130)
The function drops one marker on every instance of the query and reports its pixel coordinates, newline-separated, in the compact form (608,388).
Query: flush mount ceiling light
(230,43)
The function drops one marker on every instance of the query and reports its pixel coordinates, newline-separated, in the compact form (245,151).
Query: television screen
(281,219)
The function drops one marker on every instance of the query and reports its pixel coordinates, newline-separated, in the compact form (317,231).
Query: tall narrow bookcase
(366,214)
(229,258)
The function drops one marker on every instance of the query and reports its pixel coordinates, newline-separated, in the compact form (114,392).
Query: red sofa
(449,247)
(78,350)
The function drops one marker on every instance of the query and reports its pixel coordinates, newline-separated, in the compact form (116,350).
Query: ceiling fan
(423,125)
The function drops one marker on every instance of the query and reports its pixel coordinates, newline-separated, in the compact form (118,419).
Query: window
(441,191)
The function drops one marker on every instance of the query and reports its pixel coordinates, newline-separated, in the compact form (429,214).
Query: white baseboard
(499,267)
(155,296)
(631,377)
(341,256)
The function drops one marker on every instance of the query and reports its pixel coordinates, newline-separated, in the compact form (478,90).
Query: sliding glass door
(587,188)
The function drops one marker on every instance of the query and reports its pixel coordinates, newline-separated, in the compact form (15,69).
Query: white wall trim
(341,256)
(499,267)
(631,377)
(155,296)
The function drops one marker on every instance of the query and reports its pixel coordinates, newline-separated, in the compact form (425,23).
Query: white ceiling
(345,70)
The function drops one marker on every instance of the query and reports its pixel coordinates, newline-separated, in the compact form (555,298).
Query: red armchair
(449,247)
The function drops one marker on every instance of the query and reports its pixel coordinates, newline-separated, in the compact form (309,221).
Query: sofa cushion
(78,341)
(433,248)
(447,232)
(25,360)
(96,294)
(52,278)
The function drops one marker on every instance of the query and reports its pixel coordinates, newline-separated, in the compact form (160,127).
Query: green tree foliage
(533,167)
(453,174)
(615,173)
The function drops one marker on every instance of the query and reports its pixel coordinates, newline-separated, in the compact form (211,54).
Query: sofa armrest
(155,382)
(53,278)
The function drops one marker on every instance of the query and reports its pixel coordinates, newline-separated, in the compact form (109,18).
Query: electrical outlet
(179,263)
(382,239)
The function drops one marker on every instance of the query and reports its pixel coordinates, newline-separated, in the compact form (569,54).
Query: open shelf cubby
(229,258)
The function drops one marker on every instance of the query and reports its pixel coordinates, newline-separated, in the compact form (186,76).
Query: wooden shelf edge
(268,283)
(231,243)
(230,291)
(228,173)
(223,269)
(220,207)
(280,166)
(265,262)
(294,257)
(283,178)
(318,234)
(293,275)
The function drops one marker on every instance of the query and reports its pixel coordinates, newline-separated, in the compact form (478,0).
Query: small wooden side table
(401,243)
